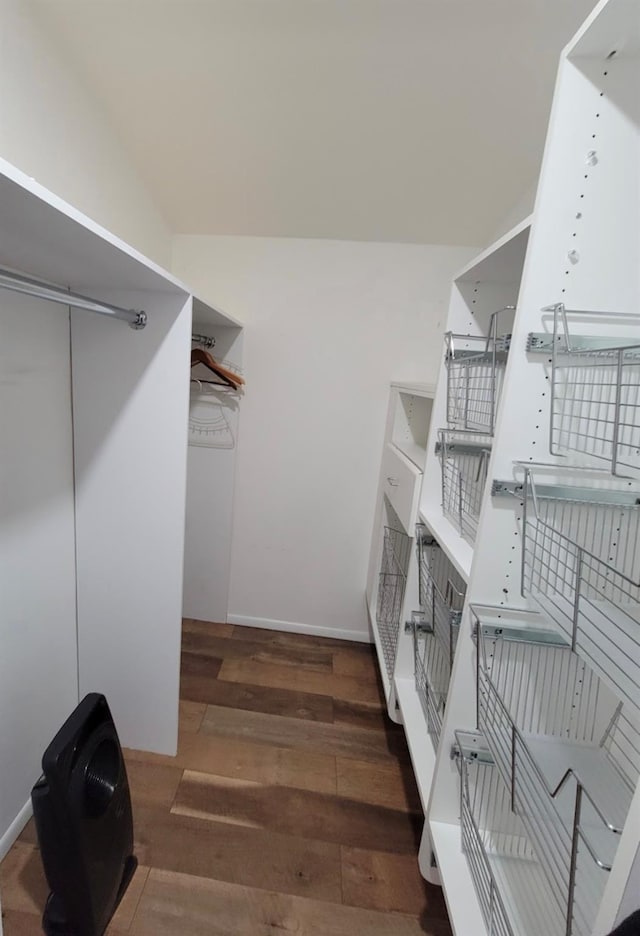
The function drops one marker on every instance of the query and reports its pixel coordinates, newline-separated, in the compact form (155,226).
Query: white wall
(38,659)
(328,325)
(53,129)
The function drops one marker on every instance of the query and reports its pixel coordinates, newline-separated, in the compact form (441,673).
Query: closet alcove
(94,418)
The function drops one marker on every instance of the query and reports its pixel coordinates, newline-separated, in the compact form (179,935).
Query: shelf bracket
(567,492)
(416,626)
(543,343)
(532,635)
(463,448)
(471,746)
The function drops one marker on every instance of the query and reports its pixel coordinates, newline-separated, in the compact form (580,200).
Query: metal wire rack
(392,581)
(441,591)
(511,886)
(567,751)
(580,562)
(595,390)
(464,459)
(475,366)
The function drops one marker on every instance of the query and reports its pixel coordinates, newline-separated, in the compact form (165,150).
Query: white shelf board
(423,756)
(527,898)
(459,890)
(502,260)
(455,546)
(417,389)
(417,454)
(208,315)
(43,236)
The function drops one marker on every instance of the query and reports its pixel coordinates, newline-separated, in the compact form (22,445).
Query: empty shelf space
(460,894)
(423,756)
(458,550)
(415,452)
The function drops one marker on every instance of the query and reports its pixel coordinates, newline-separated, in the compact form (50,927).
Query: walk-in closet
(320,461)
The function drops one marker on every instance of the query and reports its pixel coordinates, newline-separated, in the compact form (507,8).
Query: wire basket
(432,675)
(511,886)
(464,460)
(566,751)
(441,591)
(435,628)
(391,587)
(475,367)
(595,393)
(580,562)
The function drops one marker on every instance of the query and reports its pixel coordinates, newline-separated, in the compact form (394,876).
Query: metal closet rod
(203,340)
(32,287)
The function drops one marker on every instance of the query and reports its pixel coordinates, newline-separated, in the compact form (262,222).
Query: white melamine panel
(583,251)
(130,419)
(210,485)
(400,483)
(38,661)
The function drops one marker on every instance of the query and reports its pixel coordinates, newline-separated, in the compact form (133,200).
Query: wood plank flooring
(290,808)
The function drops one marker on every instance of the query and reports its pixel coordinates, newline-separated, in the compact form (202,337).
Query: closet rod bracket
(140,321)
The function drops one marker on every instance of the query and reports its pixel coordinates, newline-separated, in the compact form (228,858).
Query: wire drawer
(441,591)
(435,628)
(432,674)
(391,587)
(464,459)
(566,750)
(580,562)
(511,886)
(475,367)
(595,391)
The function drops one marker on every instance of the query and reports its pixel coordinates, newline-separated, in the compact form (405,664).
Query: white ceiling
(392,120)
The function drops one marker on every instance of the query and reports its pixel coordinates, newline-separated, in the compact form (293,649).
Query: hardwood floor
(291,807)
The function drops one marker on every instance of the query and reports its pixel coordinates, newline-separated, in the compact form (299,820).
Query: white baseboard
(291,627)
(15,828)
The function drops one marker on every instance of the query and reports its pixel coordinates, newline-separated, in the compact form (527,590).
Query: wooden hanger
(200,356)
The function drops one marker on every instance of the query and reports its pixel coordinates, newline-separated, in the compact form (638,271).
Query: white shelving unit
(93,483)
(392,577)
(534,819)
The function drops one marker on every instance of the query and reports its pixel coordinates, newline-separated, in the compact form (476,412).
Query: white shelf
(423,756)
(503,260)
(43,236)
(455,546)
(415,453)
(417,389)
(459,890)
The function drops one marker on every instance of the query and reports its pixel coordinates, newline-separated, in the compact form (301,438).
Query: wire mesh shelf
(432,675)
(464,460)
(441,591)
(580,563)
(391,587)
(435,628)
(512,889)
(566,750)
(595,392)
(475,367)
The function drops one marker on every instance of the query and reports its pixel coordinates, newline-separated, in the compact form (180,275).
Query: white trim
(14,830)
(291,627)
